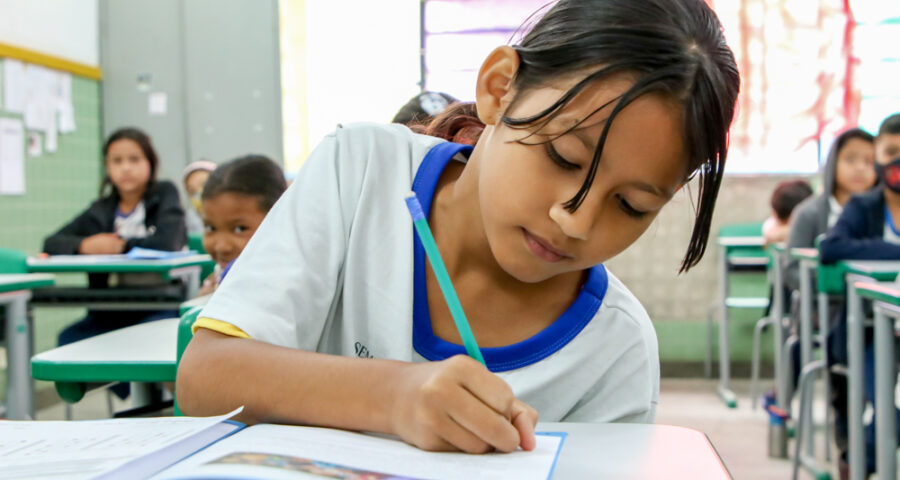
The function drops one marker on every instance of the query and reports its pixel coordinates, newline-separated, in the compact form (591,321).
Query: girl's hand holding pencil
(457,404)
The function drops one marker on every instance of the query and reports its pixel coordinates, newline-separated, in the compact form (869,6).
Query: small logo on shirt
(362,351)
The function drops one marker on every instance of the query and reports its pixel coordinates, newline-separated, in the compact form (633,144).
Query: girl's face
(230,219)
(522,188)
(855,169)
(127,167)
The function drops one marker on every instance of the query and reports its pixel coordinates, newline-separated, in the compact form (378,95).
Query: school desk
(187,268)
(635,452)
(143,353)
(15,290)
(738,251)
(868,271)
(887,311)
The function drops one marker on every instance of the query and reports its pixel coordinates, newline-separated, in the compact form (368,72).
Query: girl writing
(588,126)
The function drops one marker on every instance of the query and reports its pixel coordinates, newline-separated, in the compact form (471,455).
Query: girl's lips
(542,249)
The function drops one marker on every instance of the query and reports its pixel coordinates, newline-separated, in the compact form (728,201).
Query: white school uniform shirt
(335,268)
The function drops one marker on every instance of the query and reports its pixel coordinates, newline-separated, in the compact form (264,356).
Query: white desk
(144,352)
(635,452)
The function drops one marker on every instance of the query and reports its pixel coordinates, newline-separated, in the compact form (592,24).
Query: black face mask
(890,174)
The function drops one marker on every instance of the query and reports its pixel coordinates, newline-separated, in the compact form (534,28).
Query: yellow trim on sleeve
(224,328)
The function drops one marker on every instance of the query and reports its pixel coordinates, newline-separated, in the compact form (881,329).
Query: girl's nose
(577,224)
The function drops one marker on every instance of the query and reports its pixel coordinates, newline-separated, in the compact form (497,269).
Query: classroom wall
(63,28)
(59,184)
(678,304)
(202,78)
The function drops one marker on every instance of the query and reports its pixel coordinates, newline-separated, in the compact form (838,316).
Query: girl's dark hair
(890,125)
(675,47)
(253,175)
(143,141)
(850,134)
(787,195)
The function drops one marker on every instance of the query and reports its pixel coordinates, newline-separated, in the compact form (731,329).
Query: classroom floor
(739,435)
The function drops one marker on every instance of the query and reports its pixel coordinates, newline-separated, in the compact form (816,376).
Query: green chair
(195,242)
(740,248)
(184,337)
(12,261)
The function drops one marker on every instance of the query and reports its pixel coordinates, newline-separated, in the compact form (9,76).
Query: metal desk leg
(885,382)
(855,346)
(777,313)
(724,357)
(191,278)
(20,387)
(823,335)
(806,329)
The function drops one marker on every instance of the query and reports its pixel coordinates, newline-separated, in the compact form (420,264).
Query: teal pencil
(440,271)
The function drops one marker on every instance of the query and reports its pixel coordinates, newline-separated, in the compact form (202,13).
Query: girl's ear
(494,88)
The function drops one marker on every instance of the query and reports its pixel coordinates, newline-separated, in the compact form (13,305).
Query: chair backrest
(12,261)
(829,278)
(184,337)
(195,242)
(750,229)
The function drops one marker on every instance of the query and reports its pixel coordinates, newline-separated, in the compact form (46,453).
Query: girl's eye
(209,228)
(628,209)
(240,229)
(559,160)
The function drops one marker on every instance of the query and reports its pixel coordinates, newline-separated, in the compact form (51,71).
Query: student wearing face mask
(869,229)
(194,177)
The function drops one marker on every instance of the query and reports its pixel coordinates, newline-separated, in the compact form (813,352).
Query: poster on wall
(12,157)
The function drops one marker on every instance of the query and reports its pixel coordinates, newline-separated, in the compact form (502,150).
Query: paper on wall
(50,136)
(14,91)
(64,106)
(41,97)
(157,103)
(35,146)
(12,157)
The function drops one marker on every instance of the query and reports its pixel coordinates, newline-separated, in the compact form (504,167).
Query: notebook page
(285,452)
(87,449)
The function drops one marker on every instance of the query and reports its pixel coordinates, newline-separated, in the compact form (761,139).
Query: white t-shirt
(834,210)
(131,225)
(335,268)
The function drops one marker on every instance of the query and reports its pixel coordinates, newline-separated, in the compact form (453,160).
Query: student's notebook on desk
(192,448)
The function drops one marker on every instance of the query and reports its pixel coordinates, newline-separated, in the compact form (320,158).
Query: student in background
(134,210)
(194,177)
(420,109)
(868,229)
(236,198)
(849,170)
(786,196)
(582,144)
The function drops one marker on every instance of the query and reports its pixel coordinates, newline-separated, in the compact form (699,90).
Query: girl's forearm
(282,385)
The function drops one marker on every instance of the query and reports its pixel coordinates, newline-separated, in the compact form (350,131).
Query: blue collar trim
(498,359)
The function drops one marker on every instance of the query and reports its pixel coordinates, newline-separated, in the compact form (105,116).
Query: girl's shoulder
(620,299)
(378,140)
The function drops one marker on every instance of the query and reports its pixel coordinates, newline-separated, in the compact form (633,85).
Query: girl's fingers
(487,387)
(482,421)
(524,419)
(458,437)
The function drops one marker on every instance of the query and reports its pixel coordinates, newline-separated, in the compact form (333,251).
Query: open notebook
(189,448)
